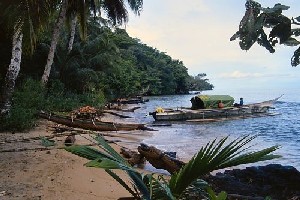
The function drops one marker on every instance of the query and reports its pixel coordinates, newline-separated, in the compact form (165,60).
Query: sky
(197,32)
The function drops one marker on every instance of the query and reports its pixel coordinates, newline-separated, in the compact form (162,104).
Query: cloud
(238,74)
(245,75)
(198,32)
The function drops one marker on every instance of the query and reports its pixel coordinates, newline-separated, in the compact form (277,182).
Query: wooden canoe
(205,115)
(92,125)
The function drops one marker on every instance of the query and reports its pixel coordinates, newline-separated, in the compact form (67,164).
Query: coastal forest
(69,58)
(109,61)
(72,62)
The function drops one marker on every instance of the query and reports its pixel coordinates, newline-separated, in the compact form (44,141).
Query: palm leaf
(137,179)
(46,142)
(28,17)
(107,164)
(110,159)
(117,178)
(217,155)
(212,196)
(86,152)
(109,149)
(161,189)
(196,189)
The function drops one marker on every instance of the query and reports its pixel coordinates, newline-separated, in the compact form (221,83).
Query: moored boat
(205,108)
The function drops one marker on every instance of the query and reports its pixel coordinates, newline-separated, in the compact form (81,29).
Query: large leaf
(250,26)
(137,179)
(257,18)
(107,164)
(196,189)
(296,32)
(263,41)
(296,58)
(278,8)
(216,155)
(161,189)
(108,149)
(119,180)
(110,159)
(291,42)
(87,152)
(282,30)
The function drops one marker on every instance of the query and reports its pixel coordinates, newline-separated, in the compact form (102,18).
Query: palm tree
(55,37)
(115,10)
(186,182)
(22,19)
(72,33)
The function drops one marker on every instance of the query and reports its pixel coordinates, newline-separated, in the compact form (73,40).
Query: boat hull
(188,114)
(92,125)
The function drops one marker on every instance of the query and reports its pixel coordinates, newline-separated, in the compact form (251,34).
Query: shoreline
(56,173)
(32,171)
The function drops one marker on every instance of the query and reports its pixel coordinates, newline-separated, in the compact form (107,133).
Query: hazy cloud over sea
(198,32)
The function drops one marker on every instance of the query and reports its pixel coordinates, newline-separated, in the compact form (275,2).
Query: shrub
(27,101)
(31,97)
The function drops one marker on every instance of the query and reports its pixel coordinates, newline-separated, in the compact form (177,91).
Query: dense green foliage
(120,66)
(114,63)
(257,20)
(186,183)
(109,64)
(199,82)
(32,97)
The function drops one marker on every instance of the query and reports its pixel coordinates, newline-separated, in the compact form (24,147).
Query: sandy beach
(30,171)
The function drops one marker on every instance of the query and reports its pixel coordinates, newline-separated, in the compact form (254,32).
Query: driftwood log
(159,159)
(133,157)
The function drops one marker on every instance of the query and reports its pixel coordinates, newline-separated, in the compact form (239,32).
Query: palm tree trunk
(72,35)
(12,73)
(55,37)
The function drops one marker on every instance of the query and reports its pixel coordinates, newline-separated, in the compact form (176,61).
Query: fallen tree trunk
(159,159)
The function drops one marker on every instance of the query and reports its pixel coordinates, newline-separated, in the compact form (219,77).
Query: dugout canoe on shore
(92,124)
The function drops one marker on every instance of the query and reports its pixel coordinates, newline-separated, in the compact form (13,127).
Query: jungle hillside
(106,65)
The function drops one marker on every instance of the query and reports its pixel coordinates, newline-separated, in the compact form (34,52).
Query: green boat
(205,108)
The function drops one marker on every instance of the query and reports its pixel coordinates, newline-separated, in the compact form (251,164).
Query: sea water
(187,138)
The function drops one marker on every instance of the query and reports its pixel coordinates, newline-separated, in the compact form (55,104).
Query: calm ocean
(187,139)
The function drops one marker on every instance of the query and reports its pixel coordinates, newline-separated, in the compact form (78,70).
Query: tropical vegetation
(258,21)
(28,18)
(187,183)
(93,62)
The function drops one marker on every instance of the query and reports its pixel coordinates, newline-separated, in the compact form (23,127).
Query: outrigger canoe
(216,114)
(92,125)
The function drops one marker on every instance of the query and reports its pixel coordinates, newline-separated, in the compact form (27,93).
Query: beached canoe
(92,125)
(136,100)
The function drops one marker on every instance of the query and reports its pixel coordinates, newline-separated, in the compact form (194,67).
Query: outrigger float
(205,109)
